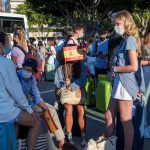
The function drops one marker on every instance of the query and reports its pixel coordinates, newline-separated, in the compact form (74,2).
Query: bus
(10,22)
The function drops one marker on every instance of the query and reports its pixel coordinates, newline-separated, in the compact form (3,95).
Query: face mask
(8,50)
(26,74)
(102,39)
(81,36)
(119,30)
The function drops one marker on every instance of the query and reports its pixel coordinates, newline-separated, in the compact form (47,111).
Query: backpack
(27,55)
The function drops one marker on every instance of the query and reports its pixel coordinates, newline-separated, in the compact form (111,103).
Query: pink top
(75,41)
(20,56)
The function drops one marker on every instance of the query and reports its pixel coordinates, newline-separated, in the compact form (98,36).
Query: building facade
(10,5)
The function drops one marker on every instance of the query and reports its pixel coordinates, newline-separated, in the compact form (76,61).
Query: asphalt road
(95,119)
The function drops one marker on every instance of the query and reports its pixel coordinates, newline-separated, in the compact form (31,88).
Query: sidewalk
(95,119)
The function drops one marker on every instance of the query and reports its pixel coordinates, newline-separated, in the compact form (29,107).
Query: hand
(140,94)
(84,49)
(35,116)
(69,88)
(100,53)
(103,55)
(67,82)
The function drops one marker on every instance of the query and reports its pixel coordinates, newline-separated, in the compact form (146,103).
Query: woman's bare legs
(110,117)
(81,117)
(68,118)
(17,130)
(27,119)
(43,68)
(125,109)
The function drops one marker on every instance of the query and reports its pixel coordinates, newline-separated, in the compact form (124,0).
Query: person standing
(100,51)
(129,80)
(146,70)
(17,55)
(113,44)
(75,79)
(41,52)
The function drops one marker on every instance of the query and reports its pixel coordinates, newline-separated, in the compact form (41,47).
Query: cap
(30,62)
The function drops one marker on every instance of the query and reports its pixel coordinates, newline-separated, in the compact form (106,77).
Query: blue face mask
(8,50)
(81,36)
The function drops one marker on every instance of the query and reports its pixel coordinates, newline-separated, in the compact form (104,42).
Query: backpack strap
(18,46)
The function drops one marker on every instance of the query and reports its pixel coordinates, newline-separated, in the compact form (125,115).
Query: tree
(35,19)
(89,13)
(141,17)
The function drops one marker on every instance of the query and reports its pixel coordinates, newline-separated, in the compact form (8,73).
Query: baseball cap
(30,62)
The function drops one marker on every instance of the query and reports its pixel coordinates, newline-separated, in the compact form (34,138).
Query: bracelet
(113,69)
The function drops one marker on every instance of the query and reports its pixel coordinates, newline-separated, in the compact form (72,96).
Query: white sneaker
(56,104)
(146,133)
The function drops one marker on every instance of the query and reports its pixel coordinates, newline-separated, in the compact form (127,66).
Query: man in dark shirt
(113,44)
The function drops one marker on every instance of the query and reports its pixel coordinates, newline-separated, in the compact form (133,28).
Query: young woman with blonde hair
(17,55)
(126,84)
(146,70)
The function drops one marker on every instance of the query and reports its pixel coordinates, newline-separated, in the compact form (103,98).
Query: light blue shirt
(100,63)
(76,83)
(30,86)
(11,94)
(133,82)
(59,47)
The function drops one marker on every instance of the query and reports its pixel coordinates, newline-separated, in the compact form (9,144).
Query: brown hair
(20,32)
(147,35)
(102,32)
(130,28)
(52,43)
(72,70)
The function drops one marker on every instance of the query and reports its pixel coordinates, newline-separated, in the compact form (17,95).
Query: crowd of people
(123,56)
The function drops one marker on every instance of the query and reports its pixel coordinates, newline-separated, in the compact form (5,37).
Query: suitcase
(102,77)
(138,124)
(103,94)
(90,88)
(7,137)
(61,114)
(50,72)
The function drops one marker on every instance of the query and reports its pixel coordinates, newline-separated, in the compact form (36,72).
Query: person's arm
(130,47)
(36,96)
(59,78)
(93,52)
(14,59)
(133,67)
(145,62)
(81,82)
(11,80)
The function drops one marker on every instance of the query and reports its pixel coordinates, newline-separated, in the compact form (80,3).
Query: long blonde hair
(20,32)
(147,35)
(130,28)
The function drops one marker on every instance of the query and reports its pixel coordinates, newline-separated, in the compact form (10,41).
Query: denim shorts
(15,119)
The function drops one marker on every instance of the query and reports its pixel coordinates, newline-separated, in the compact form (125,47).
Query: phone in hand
(100,53)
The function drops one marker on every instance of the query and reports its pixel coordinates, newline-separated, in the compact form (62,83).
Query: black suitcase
(61,114)
(138,124)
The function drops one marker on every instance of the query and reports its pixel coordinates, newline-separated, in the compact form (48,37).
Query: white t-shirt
(52,58)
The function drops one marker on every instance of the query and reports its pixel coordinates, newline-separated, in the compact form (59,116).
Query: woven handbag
(72,97)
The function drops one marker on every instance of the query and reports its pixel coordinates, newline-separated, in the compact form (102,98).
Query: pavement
(95,119)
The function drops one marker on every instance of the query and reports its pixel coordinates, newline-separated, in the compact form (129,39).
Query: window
(9,25)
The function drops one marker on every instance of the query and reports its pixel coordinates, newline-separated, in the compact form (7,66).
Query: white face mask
(26,74)
(81,36)
(119,30)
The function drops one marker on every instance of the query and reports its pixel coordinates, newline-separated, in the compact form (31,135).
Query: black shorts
(100,71)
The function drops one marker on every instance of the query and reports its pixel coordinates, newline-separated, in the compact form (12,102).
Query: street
(95,119)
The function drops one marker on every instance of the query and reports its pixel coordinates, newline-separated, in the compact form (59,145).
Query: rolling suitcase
(90,88)
(50,72)
(102,77)
(7,137)
(138,124)
(61,114)
(103,94)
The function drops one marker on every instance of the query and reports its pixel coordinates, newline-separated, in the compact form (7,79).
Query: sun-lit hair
(130,28)
(147,35)
(20,32)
